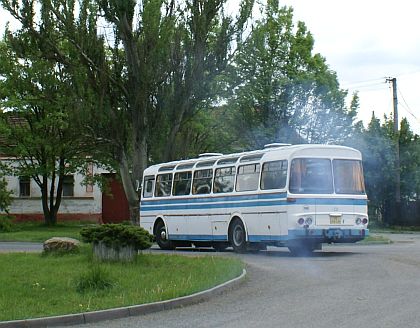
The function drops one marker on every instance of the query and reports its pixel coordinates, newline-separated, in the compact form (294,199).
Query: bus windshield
(316,176)
(311,176)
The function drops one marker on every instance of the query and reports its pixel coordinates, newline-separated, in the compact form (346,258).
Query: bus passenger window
(182,184)
(202,182)
(149,181)
(224,179)
(274,175)
(248,176)
(163,185)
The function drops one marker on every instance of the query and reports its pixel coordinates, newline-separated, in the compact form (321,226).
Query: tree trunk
(130,192)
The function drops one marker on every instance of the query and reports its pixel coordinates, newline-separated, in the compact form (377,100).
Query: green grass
(33,285)
(39,232)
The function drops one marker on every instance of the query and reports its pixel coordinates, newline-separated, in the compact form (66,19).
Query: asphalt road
(342,286)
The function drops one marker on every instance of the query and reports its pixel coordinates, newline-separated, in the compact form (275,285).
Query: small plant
(117,236)
(95,280)
(6,224)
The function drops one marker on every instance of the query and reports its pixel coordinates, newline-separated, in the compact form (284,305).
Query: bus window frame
(215,176)
(257,172)
(284,164)
(156,184)
(193,187)
(190,183)
(145,180)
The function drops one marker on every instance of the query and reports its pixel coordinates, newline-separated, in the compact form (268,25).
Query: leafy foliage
(117,235)
(282,91)
(5,199)
(6,224)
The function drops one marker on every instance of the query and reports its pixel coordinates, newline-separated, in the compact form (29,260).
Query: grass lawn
(39,232)
(33,285)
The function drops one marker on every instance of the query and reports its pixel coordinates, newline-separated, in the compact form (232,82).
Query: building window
(24,186)
(68,185)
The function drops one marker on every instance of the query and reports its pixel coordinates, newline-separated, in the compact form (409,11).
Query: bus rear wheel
(237,236)
(162,238)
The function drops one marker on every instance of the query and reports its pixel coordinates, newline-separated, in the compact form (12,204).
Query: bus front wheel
(162,238)
(237,236)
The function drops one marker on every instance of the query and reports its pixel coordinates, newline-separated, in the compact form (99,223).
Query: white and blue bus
(298,196)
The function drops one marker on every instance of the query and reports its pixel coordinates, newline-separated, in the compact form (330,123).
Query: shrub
(117,236)
(6,224)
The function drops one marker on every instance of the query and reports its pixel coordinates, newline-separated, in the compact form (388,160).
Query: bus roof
(271,153)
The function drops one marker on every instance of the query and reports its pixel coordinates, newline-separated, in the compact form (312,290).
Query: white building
(79,202)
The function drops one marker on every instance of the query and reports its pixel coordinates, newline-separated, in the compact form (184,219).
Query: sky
(365,42)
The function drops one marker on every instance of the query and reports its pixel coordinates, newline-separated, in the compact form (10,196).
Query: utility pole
(397,150)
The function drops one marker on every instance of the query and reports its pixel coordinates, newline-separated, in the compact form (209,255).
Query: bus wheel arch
(160,232)
(237,235)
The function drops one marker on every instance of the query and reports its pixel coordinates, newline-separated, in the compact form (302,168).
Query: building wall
(86,204)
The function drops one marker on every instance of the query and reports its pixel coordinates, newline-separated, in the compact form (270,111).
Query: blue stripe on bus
(213,199)
(250,203)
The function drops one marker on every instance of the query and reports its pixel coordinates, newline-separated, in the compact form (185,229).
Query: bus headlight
(308,221)
(358,221)
(365,221)
(301,221)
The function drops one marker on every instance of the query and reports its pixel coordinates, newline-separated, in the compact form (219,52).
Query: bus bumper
(329,235)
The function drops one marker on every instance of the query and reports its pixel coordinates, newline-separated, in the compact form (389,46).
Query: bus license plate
(335,219)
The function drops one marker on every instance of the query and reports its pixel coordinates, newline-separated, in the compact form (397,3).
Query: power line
(406,106)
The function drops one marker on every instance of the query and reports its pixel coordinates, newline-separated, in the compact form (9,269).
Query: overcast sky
(365,41)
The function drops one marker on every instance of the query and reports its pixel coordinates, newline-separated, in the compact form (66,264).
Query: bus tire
(162,238)
(237,236)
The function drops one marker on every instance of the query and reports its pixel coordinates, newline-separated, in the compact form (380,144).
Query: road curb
(123,312)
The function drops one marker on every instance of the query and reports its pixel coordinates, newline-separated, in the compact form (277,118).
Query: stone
(61,244)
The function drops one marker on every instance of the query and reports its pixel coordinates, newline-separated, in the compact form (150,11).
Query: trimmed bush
(117,236)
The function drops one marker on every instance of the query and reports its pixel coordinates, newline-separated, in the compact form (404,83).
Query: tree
(5,194)
(160,55)
(42,127)
(282,91)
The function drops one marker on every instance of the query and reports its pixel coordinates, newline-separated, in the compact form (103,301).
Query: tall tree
(283,91)
(156,66)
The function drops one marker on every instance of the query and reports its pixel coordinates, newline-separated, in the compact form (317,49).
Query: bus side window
(248,176)
(274,175)
(202,182)
(163,185)
(148,185)
(182,183)
(224,179)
